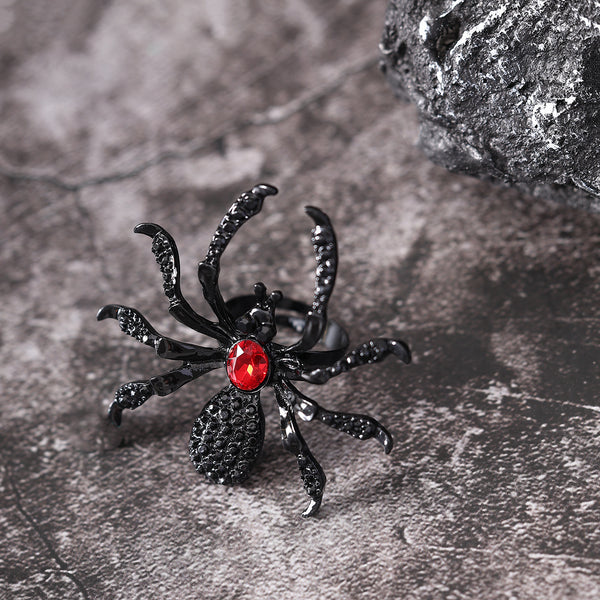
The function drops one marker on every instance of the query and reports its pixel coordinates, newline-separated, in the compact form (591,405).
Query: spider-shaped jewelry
(228,435)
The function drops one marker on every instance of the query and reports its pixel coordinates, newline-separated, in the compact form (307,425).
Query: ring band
(334,338)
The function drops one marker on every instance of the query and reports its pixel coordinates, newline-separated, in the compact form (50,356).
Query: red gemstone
(247,365)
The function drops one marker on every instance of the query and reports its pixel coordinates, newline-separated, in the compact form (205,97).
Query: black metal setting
(228,434)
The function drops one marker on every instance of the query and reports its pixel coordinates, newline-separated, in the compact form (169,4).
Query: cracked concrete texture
(114,114)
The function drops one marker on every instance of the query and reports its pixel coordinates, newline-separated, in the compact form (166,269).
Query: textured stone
(505,90)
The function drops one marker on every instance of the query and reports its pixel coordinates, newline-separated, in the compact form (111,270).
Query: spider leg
(370,352)
(311,472)
(228,435)
(135,393)
(133,323)
(167,257)
(359,426)
(246,206)
(325,247)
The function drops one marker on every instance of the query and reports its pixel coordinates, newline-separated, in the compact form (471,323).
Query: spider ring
(228,434)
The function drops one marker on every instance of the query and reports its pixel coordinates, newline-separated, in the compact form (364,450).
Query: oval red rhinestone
(247,365)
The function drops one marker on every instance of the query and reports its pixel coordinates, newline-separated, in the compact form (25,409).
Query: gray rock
(505,90)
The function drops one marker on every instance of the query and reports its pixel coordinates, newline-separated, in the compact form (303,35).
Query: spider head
(259,321)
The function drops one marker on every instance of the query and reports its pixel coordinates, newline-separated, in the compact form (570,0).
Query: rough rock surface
(507,90)
(123,112)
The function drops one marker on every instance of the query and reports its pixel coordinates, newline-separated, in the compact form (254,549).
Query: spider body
(228,434)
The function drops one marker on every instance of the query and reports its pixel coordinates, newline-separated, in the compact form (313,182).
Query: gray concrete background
(116,113)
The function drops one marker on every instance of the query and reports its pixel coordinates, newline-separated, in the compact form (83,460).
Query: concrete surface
(116,113)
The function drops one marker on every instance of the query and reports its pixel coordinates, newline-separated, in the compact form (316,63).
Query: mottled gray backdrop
(112,113)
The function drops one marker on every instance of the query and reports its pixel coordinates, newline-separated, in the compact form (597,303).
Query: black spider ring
(228,434)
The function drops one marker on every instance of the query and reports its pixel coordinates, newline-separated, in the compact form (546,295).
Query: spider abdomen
(227,436)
